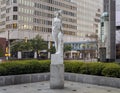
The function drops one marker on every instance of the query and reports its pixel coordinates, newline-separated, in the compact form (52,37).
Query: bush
(92,68)
(36,66)
(24,67)
(73,67)
(111,70)
(2,71)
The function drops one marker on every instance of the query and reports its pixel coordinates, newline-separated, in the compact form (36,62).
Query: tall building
(88,17)
(117,21)
(26,18)
(110,8)
(118,29)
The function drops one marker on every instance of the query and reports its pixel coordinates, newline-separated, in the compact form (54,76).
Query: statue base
(56,59)
(56,72)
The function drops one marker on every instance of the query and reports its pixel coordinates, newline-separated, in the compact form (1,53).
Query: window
(8,10)
(14,1)
(15,17)
(14,25)
(8,2)
(7,18)
(15,8)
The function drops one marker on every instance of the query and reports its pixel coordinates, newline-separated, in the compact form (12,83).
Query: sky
(117,12)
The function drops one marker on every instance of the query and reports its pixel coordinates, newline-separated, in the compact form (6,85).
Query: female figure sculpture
(57,33)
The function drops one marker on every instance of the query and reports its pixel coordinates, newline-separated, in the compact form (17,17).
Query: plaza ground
(70,87)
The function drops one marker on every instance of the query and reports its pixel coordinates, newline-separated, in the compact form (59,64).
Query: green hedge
(24,67)
(36,66)
(94,68)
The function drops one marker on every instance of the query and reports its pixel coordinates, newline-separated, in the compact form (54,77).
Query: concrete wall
(90,79)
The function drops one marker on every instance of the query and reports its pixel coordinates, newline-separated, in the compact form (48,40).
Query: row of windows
(15,9)
(27,11)
(10,26)
(3,16)
(38,5)
(26,3)
(41,21)
(3,9)
(70,20)
(25,27)
(60,4)
(38,13)
(2,23)
(3,2)
(25,18)
(42,29)
(15,17)
(69,26)
(69,33)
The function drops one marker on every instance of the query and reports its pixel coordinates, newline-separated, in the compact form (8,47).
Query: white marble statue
(57,32)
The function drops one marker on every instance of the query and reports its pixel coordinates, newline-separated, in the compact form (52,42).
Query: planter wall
(30,78)
(91,79)
(26,78)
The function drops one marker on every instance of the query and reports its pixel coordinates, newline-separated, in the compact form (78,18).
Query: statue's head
(58,13)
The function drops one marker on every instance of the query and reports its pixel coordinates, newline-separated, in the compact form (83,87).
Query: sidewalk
(70,87)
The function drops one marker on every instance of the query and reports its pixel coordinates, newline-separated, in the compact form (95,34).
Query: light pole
(8,47)
(48,37)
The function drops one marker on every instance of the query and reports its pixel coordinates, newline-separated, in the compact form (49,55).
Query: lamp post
(48,37)
(8,47)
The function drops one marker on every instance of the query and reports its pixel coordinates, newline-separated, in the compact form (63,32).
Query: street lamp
(48,37)
(8,47)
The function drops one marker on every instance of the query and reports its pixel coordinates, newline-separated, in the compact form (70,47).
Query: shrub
(24,67)
(92,68)
(2,71)
(36,66)
(111,70)
(73,67)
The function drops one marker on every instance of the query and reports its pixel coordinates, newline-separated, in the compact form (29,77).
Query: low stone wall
(30,78)
(25,78)
(91,79)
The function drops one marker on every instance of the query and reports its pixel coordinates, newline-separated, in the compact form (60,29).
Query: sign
(7,55)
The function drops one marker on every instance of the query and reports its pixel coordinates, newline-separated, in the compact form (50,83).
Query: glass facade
(89,12)
(36,15)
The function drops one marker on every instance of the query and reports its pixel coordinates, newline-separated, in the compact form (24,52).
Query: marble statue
(57,32)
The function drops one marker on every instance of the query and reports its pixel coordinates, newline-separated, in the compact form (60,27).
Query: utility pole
(48,37)
(8,47)
(8,44)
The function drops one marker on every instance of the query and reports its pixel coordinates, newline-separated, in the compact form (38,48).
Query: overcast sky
(118,12)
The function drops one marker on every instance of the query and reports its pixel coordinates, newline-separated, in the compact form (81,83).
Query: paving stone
(70,87)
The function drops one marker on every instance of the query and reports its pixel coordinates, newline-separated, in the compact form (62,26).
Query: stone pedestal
(56,72)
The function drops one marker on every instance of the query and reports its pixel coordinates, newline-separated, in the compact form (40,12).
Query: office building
(110,9)
(118,29)
(26,18)
(88,17)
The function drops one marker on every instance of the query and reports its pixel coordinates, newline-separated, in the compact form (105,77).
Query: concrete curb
(25,78)
(89,79)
